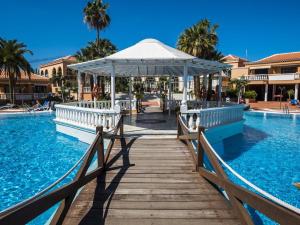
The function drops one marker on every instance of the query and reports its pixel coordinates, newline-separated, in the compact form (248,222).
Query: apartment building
(271,77)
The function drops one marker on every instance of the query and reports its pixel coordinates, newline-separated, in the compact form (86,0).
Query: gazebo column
(204,98)
(296,91)
(169,92)
(266,92)
(183,106)
(79,86)
(95,85)
(112,86)
(220,89)
(130,95)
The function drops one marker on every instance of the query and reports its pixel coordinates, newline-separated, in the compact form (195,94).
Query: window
(59,71)
(288,69)
(53,72)
(42,72)
(46,73)
(261,71)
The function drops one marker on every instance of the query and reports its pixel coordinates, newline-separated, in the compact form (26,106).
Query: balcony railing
(273,77)
(257,77)
(24,96)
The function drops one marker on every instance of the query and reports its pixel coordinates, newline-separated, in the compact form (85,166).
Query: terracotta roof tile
(68,58)
(233,57)
(33,77)
(282,57)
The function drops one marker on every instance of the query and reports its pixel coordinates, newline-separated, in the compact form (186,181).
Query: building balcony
(24,96)
(274,77)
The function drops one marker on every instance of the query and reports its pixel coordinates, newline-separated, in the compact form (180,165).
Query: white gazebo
(150,57)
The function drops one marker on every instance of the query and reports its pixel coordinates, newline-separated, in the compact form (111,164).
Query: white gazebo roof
(149,57)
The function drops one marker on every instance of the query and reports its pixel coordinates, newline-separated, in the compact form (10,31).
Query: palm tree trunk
(102,80)
(195,87)
(98,37)
(198,94)
(11,90)
(209,89)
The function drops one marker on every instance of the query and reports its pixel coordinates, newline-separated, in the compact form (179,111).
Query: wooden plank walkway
(150,182)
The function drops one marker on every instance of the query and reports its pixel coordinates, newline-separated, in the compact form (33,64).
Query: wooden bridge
(150,181)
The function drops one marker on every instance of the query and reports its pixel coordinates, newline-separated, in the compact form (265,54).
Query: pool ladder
(286,109)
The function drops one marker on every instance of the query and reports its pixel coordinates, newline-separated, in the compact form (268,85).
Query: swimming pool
(33,155)
(267,153)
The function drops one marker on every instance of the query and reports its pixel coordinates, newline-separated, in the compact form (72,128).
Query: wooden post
(100,149)
(200,150)
(178,126)
(122,126)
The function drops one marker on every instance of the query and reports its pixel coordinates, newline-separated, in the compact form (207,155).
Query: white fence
(195,104)
(213,117)
(124,104)
(87,117)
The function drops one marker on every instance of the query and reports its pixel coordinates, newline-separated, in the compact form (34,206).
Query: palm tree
(240,84)
(95,16)
(94,51)
(200,40)
(13,62)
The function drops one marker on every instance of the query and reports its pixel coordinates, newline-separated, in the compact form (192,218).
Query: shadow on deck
(150,182)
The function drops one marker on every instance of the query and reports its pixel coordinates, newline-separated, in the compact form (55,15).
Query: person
(37,105)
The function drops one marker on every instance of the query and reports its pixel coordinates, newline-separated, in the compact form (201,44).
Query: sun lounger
(45,106)
(8,106)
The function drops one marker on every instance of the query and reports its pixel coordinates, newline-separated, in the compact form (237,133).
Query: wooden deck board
(150,182)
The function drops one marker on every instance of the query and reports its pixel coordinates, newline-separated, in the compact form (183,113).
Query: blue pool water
(32,156)
(267,153)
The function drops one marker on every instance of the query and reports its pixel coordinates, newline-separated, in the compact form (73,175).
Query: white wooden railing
(213,117)
(87,117)
(124,104)
(194,104)
(87,90)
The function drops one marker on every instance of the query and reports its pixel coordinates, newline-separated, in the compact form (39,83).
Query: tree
(94,51)
(13,62)
(95,16)
(240,84)
(200,40)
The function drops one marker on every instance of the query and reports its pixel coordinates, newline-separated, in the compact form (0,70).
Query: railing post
(200,150)
(100,149)
(122,126)
(178,126)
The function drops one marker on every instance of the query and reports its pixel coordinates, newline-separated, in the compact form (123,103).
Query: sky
(55,28)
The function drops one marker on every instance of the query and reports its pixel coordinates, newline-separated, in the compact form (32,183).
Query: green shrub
(250,94)
(232,93)
(291,93)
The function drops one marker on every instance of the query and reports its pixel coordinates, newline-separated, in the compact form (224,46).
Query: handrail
(259,190)
(33,207)
(237,195)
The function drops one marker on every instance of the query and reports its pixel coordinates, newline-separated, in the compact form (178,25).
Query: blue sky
(54,28)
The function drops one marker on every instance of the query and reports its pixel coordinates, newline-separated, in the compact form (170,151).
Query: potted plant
(250,96)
